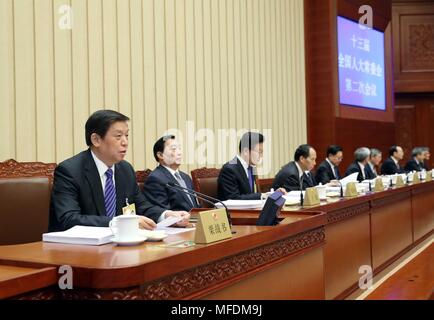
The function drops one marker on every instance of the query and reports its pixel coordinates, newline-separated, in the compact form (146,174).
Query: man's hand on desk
(184,214)
(146,223)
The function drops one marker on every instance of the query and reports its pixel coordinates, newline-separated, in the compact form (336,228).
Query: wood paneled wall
(220,64)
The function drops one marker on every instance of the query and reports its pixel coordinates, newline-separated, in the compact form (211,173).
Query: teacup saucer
(129,242)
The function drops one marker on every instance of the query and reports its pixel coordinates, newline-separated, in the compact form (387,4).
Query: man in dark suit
(391,164)
(175,202)
(416,162)
(426,158)
(297,173)
(328,169)
(361,158)
(374,161)
(92,187)
(237,178)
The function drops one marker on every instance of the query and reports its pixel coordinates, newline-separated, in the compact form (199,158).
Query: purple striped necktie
(110,194)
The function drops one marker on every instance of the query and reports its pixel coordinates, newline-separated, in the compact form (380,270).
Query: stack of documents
(94,236)
(242,204)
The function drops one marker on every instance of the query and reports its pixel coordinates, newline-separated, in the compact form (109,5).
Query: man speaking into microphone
(168,154)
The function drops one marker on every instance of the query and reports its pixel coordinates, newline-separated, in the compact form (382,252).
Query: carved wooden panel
(417,43)
(413,37)
(348,212)
(13,169)
(391,199)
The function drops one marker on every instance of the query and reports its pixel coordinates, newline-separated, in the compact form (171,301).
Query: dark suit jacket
(324,173)
(288,178)
(232,182)
(77,197)
(354,167)
(389,167)
(370,174)
(412,165)
(166,197)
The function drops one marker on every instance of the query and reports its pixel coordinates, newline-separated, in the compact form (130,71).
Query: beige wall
(217,63)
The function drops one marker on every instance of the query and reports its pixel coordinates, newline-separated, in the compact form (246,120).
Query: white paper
(242,204)
(80,235)
(172,230)
(168,222)
(351,178)
(293,195)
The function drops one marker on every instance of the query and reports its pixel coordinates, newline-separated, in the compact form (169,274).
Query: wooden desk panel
(150,271)
(423,210)
(17,280)
(296,279)
(391,227)
(347,248)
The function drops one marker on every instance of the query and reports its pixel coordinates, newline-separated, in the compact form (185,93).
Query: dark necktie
(335,169)
(309,179)
(184,185)
(251,178)
(110,194)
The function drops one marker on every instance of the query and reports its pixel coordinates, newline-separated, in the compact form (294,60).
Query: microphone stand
(203,197)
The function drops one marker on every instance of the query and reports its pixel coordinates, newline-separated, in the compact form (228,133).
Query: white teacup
(125,227)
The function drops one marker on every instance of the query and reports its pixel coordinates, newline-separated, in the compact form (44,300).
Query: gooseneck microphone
(201,196)
(301,190)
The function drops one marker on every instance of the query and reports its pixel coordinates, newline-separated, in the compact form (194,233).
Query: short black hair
(392,150)
(159,145)
(100,121)
(249,140)
(302,151)
(333,149)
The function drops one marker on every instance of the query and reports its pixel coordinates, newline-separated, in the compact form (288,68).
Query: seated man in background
(391,164)
(426,158)
(297,174)
(361,159)
(237,178)
(328,169)
(416,162)
(175,202)
(92,187)
(374,162)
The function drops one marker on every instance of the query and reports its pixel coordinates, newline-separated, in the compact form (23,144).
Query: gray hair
(375,152)
(416,151)
(425,149)
(361,154)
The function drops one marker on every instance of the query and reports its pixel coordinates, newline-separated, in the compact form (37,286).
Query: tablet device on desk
(271,210)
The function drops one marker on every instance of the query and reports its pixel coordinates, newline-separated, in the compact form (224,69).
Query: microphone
(342,189)
(301,190)
(201,196)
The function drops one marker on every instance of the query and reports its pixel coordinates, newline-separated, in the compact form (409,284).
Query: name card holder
(212,226)
(399,182)
(351,190)
(311,197)
(379,186)
(416,178)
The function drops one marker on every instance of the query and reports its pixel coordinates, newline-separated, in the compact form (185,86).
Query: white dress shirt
(102,168)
